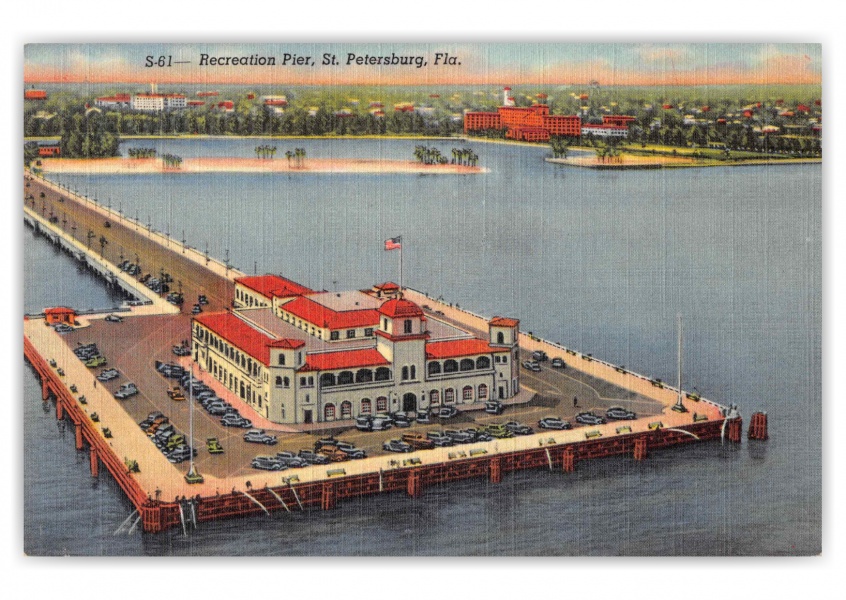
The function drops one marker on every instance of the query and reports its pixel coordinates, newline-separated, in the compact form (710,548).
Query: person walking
(575,401)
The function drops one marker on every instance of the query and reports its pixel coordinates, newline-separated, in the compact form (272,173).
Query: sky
(475,63)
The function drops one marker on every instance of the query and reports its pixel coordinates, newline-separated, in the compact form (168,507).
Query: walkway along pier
(164,500)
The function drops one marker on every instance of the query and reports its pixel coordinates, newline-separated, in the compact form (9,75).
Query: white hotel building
(158,102)
(299,356)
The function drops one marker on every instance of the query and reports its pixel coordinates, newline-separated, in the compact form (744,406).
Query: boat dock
(107,428)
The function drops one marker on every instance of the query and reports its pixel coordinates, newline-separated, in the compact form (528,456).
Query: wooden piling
(735,430)
(60,410)
(758,427)
(78,427)
(640,448)
(568,460)
(327,496)
(95,463)
(414,485)
(495,470)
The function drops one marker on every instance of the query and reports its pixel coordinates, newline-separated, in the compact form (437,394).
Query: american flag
(393,243)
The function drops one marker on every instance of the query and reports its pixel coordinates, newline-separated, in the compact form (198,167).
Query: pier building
(299,356)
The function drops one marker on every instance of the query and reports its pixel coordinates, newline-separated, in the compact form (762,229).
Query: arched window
(483,362)
(450,366)
(404,373)
(363,376)
(381,404)
(406,326)
(483,392)
(346,409)
(500,338)
(366,406)
(345,377)
(467,393)
(329,412)
(278,381)
(326,380)
(281,359)
(434,398)
(449,396)
(434,367)
(467,364)
(383,374)
(286,382)
(413,372)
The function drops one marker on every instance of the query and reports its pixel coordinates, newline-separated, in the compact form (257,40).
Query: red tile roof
(456,348)
(399,307)
(504,322)
(250,341)
(273,286)
(322,316)
(349,359)
(59,310)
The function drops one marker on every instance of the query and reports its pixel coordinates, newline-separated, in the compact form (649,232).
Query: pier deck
(231,488)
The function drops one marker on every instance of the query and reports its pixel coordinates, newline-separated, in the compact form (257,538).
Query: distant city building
(116,101)
(158,102)
(32,94)
(605,130)
(300,356)
(274,100)
(529,123)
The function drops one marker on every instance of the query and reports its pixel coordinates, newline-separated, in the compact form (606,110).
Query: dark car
(423,417)
(554,423)
(447,412)
(258,436)
(400,419)
(478,434)
(126,390)
(494,407)
(364,423)
(618,413)
(197,309)
(180,453)
(108,375)
(539,355)
(558,363)
(268,463)
(313,458)
(440,438)
(459,437)
(587,418)
(201,299)
(397,446)
(114,319)
(181,350)
(150,418)
(518,428)
(351,450)
(291,460)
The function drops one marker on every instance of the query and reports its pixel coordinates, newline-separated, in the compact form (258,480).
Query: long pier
(164,500)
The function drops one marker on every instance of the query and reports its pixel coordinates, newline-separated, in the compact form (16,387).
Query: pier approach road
(117,238)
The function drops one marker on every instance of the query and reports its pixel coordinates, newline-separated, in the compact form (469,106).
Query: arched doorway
(409,402)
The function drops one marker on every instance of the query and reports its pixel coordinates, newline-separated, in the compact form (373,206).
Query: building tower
(507,99)
(504,333)
(401,338)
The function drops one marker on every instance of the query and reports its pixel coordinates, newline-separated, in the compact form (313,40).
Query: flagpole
(400,259)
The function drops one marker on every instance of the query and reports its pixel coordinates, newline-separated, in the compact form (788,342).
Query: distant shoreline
(636,162)
(129,166)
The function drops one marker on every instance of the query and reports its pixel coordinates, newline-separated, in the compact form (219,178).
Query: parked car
(418,440)
(440,439)
(531,365)
(397,446)
(258,436)
(313,458)
(114,319)
(202,300)
(291,460)
(334,454)
(554,423)
(351,450)
(423,417)
(235,420)
(175,298)
(539,355)
(479,435)
(364,423)
(150,418)
(458,436)
(158,422)
(587,418)
(381,422)
(619,413)
(518,428)
(181,350)
(180,454)
(108,375)
(175,393)
(326,442)
(170,370)
(62,328)
(218,409)
(498,430)
(125,391)
(494,407)
(268,463)
(447,412)
(197,309)
(558,363)
(213,445)
(401,419)
(96,361)
(123,265)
